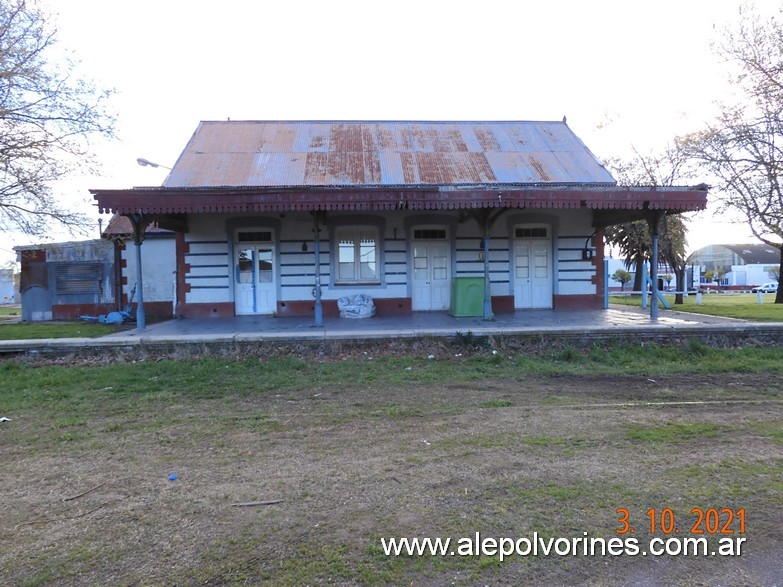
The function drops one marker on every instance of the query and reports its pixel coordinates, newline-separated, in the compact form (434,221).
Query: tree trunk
(779,295)
(679,280)
(637,279)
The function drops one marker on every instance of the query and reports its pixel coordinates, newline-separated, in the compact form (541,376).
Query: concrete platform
(421,324)
(618,322)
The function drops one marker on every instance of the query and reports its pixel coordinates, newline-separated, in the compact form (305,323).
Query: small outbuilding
(64,281)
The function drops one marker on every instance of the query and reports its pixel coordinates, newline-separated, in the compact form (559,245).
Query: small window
(358,255)
(532,232)
(79,278)
(430,234)
(254,236)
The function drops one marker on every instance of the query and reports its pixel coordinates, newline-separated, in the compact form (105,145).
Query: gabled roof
(385,154)
(274,166)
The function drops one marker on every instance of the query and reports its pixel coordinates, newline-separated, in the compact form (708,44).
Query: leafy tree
(634,239)
(623,277)
(743,147)
(47,115)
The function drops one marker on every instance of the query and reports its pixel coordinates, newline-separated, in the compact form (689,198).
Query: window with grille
(254,236)
(531,232)
(430,234)
(78,278)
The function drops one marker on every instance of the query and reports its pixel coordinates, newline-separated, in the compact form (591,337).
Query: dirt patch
(88,497)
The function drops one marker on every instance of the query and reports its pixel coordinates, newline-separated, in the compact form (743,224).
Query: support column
(318,308)
(654,278)
(139,223)
(654,221)
(487,284)
(486,220)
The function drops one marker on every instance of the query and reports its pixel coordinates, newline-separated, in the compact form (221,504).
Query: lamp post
(147,163)
(140,223)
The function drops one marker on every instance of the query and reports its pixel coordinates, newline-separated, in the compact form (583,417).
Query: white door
(255,290)
(532,274)
(431,280)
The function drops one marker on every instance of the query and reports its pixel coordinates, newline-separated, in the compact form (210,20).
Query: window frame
(355,232)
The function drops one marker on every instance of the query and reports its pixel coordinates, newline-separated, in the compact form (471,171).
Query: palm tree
(635,243)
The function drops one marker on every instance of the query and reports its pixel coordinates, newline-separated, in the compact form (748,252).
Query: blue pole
(141,321)
(487,288)
(606,284)
(654,277)
(319,316)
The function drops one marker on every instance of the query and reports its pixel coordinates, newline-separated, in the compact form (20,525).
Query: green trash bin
(467,296)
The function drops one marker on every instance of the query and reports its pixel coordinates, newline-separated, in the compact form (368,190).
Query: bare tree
(47,115)
(743,147)
(634,239)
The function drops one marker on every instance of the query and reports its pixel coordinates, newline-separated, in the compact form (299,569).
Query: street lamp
(146,162)
(139,228)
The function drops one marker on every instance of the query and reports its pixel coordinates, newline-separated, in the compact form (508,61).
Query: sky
(626,74)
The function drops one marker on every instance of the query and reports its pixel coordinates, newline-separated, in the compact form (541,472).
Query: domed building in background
(735,266)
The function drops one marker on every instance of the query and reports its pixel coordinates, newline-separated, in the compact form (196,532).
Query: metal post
(318,309)
(654,277)
(174,294)
(606,284)
(487,288)
(139,223)
(141,321)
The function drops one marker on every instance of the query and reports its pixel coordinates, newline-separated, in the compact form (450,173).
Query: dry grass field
(336,455)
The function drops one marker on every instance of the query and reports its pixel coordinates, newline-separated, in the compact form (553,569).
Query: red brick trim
(383,307)
(598,262)
(74,311)
(183,268)
(218,310)
(578,302)
(503,304)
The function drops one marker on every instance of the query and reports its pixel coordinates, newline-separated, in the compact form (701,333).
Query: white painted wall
(158,263)
(574,276)
(749,275)
(211,253)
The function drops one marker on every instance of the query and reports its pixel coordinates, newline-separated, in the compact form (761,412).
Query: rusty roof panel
(382,154)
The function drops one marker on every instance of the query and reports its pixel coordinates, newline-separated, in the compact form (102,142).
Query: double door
(532,273)
(431,276)
(255,290)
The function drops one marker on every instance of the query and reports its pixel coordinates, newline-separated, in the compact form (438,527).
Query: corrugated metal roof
(385,154)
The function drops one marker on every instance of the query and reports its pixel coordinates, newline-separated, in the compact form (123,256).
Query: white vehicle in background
(771,287)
